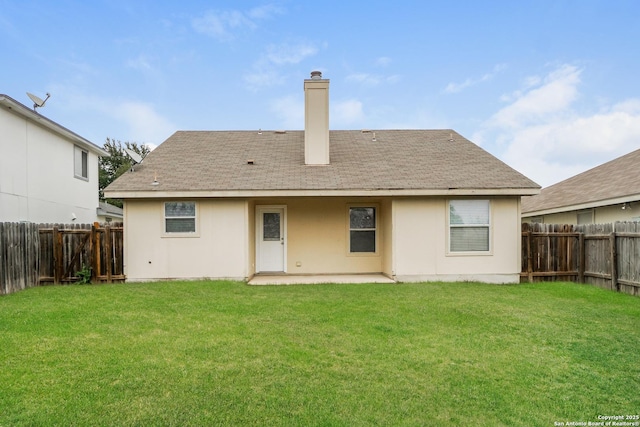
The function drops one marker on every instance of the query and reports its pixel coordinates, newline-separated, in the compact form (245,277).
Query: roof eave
(583,206)
(159,193)
(35,117)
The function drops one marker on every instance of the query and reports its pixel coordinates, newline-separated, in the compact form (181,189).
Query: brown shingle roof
(398,159)
(618,178)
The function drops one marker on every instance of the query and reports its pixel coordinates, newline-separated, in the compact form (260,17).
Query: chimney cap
(316,75)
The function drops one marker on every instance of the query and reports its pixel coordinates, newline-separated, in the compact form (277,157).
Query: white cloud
(144,124)
(459,87)
(367,79)
(364,78)
(289,54)
(266,70)
(557,92)
(347,112)
(290,111)
(542,134)
(222,25)
(263,76)
(266,11)
(383,61)
(141,63)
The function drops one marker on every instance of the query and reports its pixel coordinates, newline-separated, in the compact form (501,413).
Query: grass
(223,353)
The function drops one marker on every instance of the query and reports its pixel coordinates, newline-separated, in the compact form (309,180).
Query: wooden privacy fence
(604,255)
(32,255)
(19,256)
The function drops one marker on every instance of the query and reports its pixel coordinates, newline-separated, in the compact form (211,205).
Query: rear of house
(408,239)
(413,205)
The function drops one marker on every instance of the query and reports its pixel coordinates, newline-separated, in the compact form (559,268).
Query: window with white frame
(81,163)
(585,217)
(180,217)
(469,225)
(362,229)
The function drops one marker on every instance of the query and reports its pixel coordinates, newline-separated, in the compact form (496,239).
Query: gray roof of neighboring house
(107,209)
(397,160)
(602,185)
(30,114)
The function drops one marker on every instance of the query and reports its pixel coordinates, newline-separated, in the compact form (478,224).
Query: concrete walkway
(275,279)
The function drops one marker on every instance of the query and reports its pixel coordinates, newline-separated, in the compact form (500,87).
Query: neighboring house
(413,205)
(109,213)
(607,193)
(48,174)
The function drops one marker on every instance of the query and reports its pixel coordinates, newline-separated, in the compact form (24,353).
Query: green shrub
(84,275)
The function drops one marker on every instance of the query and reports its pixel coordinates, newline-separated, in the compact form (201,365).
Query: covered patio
(301,279)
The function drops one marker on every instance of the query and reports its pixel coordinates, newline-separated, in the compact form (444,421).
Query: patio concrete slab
(275,279)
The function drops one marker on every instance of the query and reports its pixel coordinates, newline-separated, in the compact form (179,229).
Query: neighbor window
(180,217)
(81,163)
(362,229)
(585,217)
(469,223)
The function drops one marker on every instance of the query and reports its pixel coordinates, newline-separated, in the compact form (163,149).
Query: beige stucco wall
(559,218)
(317,236)
(420,242)
(386,230)
(615,213)
(37,180)
(411,233)
(217,250)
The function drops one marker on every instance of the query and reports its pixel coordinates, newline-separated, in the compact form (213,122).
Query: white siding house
(48,174)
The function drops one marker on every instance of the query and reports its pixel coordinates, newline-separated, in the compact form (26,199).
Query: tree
(116,164)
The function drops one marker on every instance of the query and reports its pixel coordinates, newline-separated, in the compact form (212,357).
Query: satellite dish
(37,101)
(135,157)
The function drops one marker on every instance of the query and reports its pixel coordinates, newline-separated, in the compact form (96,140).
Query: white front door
(271,239)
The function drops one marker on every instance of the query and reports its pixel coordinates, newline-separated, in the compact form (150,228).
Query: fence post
(57,255)
(581,257)
(94,251)
(529,257)
(107,231)
(98,252)
(4,283)
(614,262)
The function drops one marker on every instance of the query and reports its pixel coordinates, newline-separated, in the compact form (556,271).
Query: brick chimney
(316,120)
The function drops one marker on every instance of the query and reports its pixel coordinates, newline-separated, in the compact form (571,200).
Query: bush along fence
(603,255)
(39,254)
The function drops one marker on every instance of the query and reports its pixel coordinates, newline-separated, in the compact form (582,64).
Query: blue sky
(550,87)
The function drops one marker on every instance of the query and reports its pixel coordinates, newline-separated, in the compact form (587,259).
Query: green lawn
(224,353)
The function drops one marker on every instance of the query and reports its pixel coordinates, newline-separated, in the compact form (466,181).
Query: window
(585,217)
(81,163)
(180,217)
(362,229)
(469,225)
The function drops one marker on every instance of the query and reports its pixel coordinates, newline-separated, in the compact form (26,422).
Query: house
(607,193)
(412,205)
(48,174)
(108,213)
